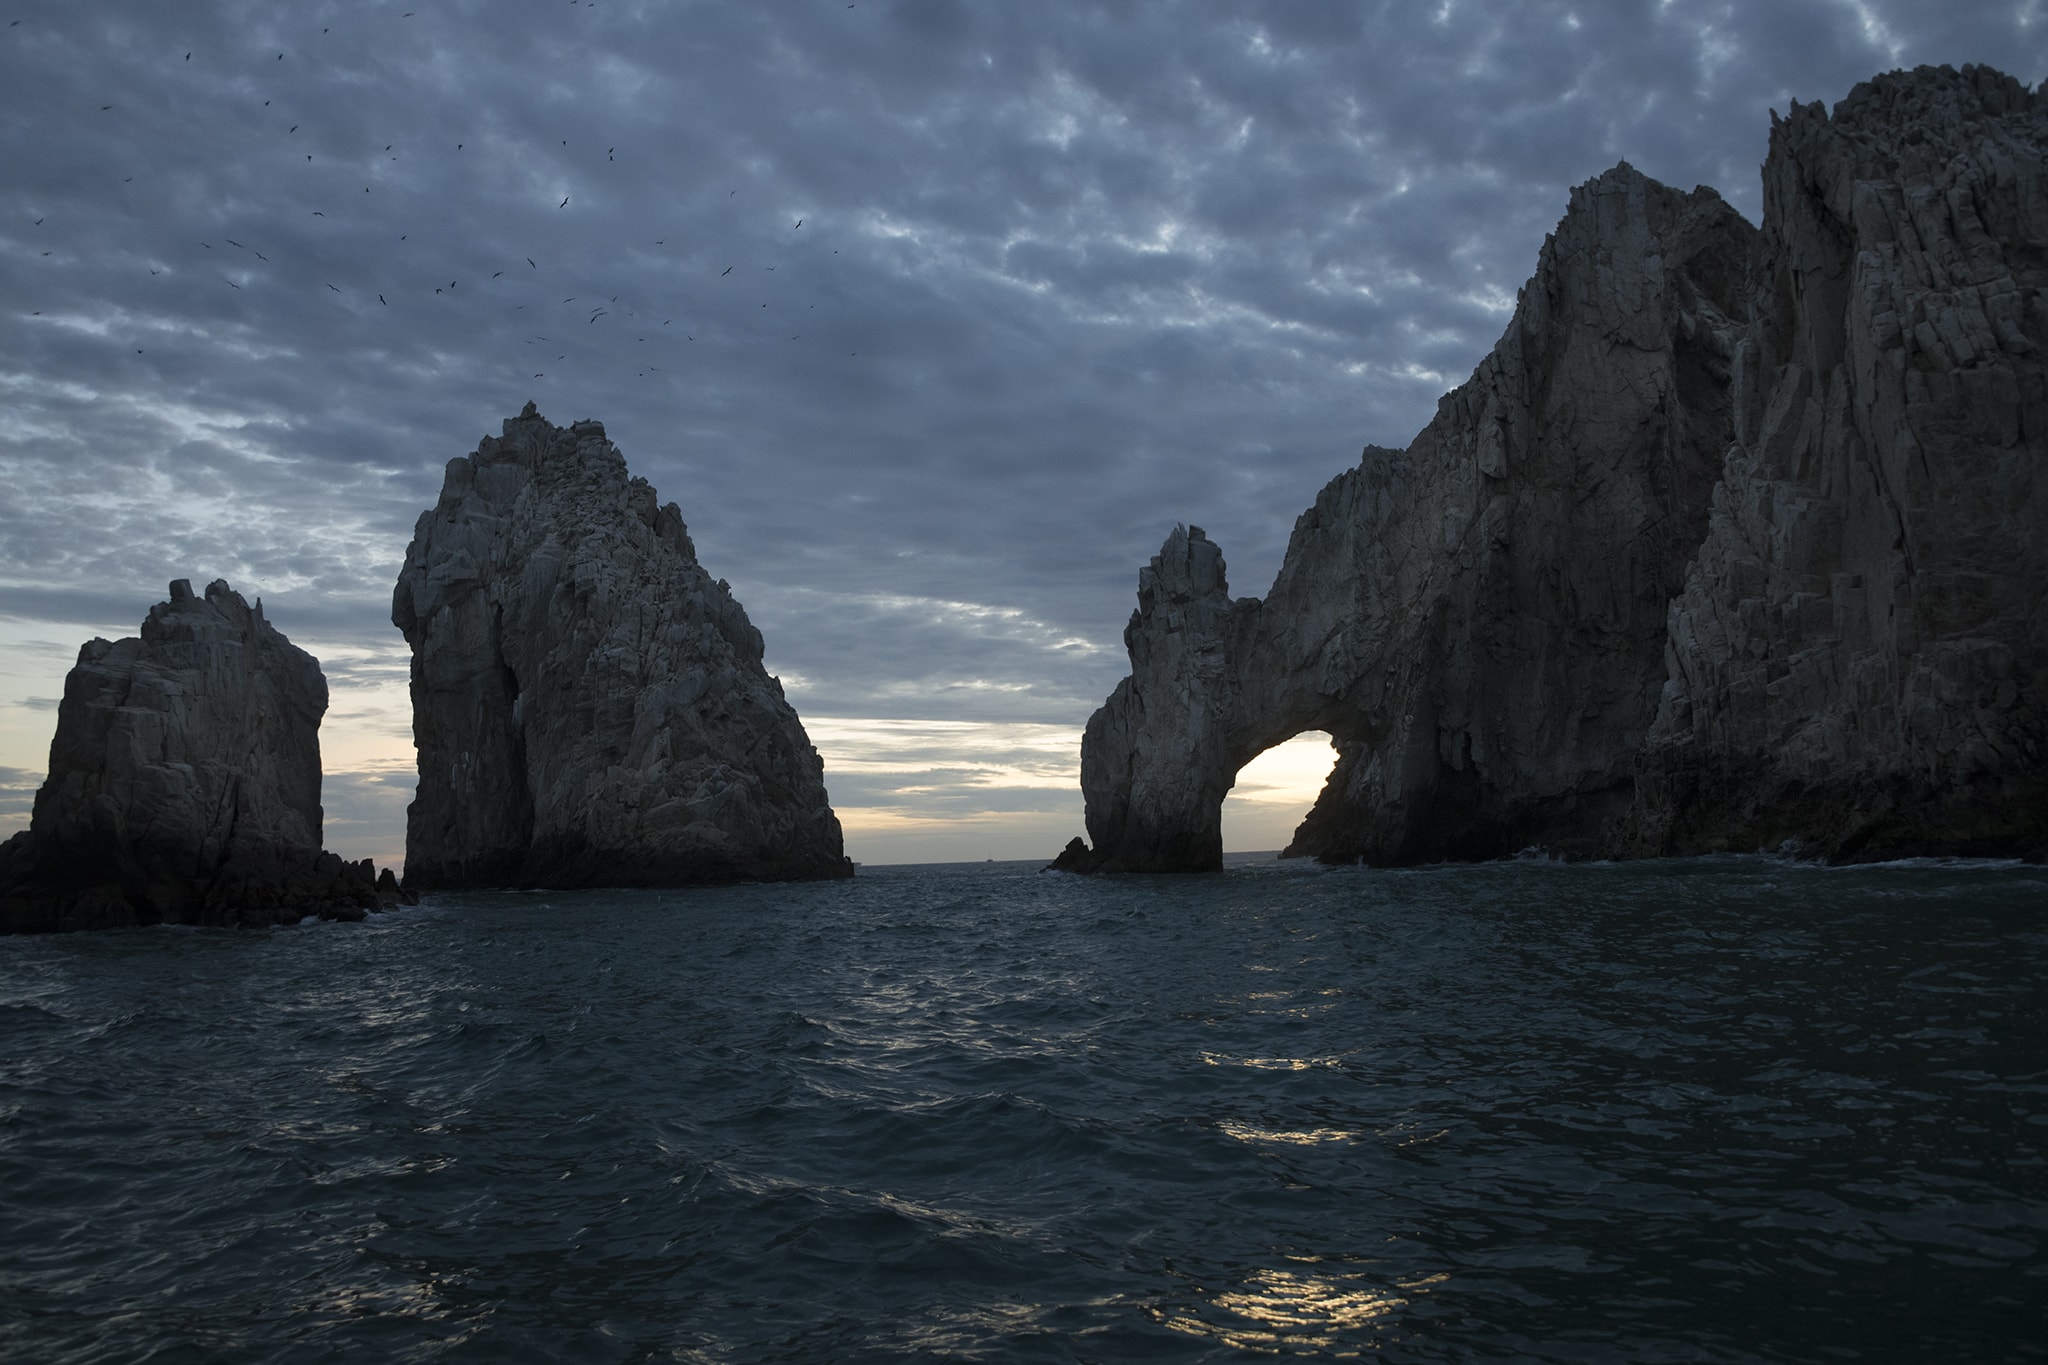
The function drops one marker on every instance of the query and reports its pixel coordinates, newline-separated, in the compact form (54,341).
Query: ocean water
(1729,1109)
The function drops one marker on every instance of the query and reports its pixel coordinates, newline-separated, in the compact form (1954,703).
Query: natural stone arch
(1479,619)
(1272,793)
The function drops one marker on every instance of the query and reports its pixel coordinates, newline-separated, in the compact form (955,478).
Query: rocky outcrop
(184,783)
(1857,636)
(1477,620)
(589,706)
(1859,658)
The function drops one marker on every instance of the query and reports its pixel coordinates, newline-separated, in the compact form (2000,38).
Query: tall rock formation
(184,783)
(1737,538)
(1859,660)
(1477,620)
(589,706)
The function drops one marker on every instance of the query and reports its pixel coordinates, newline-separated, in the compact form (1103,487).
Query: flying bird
(335,290)
(496,273)
(318,214)
(799,223)
(232,242)
(380,299)
(529,261)
(723,273)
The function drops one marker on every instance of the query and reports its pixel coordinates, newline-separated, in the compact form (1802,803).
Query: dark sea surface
(1708,1110)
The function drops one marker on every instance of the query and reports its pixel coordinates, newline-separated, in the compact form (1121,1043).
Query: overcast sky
(934,316)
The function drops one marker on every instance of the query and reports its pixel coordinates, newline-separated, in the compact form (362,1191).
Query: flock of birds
(605,306)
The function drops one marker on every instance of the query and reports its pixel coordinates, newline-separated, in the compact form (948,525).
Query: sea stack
(184,783)
(1736,541)
(590,707)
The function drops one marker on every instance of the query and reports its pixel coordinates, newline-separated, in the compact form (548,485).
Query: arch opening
(1273,793)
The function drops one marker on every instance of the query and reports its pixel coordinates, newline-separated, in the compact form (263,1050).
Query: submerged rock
(1859,659)
(590,706)
(184,783)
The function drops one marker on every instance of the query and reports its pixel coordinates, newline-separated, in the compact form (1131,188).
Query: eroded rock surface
(184,783)
(1477,620)
(1860,655)
(1807,459)
(589,706)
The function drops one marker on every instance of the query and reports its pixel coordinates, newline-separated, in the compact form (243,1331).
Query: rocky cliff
(589,706)
(1477,620)
(1735,538)
(184,783)
(1859,658)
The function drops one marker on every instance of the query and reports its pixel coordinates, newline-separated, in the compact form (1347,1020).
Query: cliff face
(1859,659)
(1477,620)
(589,706)
(1737,538)
(184,783)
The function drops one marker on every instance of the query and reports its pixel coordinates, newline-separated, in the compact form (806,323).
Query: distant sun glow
(1274,791)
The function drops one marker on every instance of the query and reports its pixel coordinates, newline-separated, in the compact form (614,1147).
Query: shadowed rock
(184,783)
(1477,620)
(1857,636)
(589,706)
(1859,659)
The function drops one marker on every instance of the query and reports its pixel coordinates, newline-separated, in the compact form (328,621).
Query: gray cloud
(1066,275)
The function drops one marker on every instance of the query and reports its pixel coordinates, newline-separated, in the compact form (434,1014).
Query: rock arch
(1478,620)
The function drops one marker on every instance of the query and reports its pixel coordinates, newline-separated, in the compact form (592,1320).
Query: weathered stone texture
(1856,624)
(1477,620)
(590,707)
(1859,660)
(184,783)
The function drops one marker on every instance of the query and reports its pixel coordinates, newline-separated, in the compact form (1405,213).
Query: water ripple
(1729,1109)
